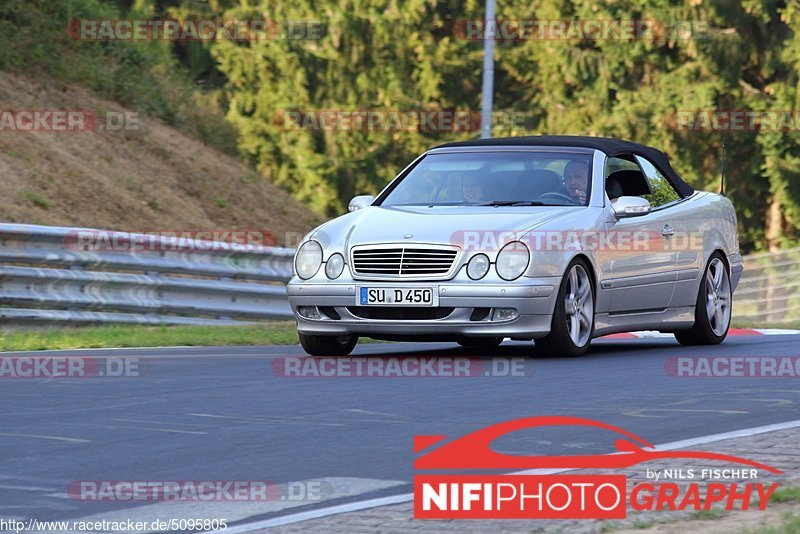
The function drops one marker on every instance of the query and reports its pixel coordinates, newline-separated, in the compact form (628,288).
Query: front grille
(400,313)
(403,261)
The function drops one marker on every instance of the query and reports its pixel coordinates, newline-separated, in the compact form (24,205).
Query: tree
(387,55)
(393,55)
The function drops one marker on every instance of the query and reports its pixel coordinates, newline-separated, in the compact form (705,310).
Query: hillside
(157,178)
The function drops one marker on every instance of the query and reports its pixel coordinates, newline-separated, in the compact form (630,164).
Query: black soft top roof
(611,147)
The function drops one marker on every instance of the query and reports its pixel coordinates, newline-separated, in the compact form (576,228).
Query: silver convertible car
(555,239)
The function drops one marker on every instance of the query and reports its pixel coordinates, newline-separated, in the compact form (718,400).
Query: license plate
(397,296)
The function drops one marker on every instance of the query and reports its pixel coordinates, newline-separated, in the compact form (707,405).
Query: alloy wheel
(579,305)
(718,296)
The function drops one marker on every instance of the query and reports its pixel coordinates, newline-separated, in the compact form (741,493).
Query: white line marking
(25,488)
(409,497)
(643,412)
(56,438)
(777,331)
(270,419)
(94,349)
(170,430)
(316,514)
(642,334)
(188,351)
(154,422)
(747,432)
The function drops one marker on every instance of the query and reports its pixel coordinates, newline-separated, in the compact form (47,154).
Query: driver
(472,189)
(576,180)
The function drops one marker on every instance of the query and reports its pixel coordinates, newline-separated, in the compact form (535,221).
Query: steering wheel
(560,196)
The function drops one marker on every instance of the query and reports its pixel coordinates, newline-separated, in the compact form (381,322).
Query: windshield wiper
(512,203)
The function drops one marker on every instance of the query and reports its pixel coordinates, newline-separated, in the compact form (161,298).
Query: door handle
(668,231)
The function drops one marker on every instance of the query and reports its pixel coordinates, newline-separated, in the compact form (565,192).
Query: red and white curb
(652,334)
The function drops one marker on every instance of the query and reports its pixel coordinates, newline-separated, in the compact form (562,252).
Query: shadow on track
(513,350)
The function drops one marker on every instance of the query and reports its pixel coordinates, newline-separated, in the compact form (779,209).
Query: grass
(143,75)
(636,524)
(37,199)
(790,525)
(15,154)
(786,495)
(273,333)
(713,513)
(790,522)
(792,325)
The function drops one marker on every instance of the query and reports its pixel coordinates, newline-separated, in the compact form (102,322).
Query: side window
(624,178)
(663,192)
(618,163)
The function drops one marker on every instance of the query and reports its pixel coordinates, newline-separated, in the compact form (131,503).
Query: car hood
(439,224)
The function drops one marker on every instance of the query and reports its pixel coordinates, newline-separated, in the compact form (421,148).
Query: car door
(680,238)
(637,265)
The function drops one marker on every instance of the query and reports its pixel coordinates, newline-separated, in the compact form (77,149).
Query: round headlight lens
(512,260)
(308,259)
(334,266)
(478,266)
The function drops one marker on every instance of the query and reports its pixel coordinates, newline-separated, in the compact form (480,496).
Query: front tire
(712,312)
(573,318)
(328,345)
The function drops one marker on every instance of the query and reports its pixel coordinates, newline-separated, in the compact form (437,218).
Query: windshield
(495,179)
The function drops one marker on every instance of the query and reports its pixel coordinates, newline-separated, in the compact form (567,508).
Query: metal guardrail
(81,275)
(769,291)
(46,275)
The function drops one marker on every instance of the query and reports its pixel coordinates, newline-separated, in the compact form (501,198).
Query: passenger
(472,189)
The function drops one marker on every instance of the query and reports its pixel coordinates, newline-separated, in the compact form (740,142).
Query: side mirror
(361,201)
(630,207)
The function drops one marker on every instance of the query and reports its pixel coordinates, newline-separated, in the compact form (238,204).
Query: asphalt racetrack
(222,414)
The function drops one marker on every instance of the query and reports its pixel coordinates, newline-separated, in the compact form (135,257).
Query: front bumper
(534,300)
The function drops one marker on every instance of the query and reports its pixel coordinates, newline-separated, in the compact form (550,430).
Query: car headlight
(478,266)
(512,260)
(308,259)
(334,266)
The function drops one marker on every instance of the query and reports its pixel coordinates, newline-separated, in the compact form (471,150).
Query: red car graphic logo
(473,450)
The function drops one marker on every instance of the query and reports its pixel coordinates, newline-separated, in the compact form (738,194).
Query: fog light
(309,312)
(504,314)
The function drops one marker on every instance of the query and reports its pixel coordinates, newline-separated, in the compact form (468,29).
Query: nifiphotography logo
(554,495)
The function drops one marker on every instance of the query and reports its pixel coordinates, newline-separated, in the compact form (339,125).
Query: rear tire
(328,345)
(480,342)
(572,328)
(712,312)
